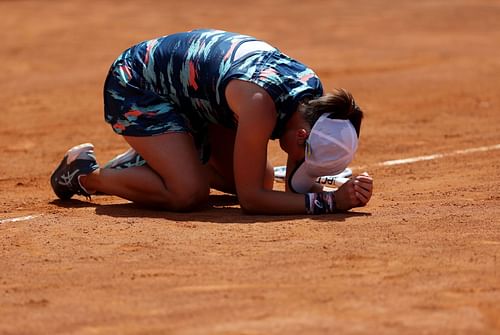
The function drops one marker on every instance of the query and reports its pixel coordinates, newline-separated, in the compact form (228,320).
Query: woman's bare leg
(173,179)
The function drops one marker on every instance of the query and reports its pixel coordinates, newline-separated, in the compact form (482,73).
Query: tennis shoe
(129,158)
(78,161)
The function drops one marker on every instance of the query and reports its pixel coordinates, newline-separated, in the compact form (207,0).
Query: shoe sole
(280,173)
(68,158)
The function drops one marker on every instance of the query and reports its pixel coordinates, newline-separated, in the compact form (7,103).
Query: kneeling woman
(198,109)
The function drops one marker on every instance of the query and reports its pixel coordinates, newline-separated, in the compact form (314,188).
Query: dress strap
(249,47)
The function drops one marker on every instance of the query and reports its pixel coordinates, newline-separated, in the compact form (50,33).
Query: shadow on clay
(222,208)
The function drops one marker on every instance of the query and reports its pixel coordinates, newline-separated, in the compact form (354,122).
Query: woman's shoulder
(246,92)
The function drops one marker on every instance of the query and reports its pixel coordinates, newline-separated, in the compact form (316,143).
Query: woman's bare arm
(256,115)
(256,120)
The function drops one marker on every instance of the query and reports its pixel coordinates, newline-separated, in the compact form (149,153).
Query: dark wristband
(320,203)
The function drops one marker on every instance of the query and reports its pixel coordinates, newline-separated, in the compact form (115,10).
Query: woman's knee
(173,157)
(188,199)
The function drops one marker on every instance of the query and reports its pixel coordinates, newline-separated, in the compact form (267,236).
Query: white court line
(435,156)
(20,218)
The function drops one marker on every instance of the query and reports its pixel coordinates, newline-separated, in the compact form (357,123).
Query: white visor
(330,148)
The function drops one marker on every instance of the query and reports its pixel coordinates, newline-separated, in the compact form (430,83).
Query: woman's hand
(355,193)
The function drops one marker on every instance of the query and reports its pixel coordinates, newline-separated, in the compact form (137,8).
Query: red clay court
(422,258)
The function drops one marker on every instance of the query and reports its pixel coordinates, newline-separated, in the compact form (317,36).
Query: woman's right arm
(256,114)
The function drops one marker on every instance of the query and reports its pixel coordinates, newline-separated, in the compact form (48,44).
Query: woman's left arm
(256,115)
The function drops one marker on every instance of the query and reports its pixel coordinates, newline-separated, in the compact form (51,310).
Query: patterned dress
(176,83)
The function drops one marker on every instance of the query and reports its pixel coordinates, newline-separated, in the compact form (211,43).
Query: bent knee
(188,199)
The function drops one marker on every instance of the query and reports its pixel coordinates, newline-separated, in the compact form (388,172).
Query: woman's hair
(339,103)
